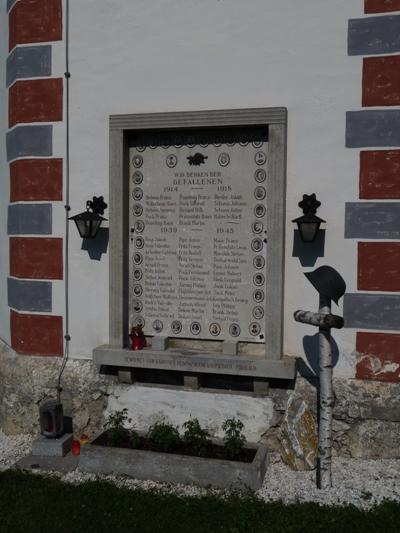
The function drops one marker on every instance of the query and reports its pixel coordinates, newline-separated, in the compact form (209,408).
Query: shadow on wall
(98,246)
(311,349)
(308,253)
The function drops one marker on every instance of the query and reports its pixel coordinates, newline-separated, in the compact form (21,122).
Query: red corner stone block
(36,179)
(35,101)
(36,257)
(36,334)
(378,356)
(381,81)
(379,266)
(381,6)
(35,21)
(380,174)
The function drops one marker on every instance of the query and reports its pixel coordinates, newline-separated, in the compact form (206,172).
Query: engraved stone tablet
(198,233)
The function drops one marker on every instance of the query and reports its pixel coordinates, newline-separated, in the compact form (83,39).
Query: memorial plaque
(198,233)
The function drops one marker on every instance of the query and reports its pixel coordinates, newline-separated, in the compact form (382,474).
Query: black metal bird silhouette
(197,159)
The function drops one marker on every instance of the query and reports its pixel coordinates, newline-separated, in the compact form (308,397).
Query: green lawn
(31,503)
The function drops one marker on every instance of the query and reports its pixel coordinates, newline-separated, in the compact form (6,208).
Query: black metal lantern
(89,222)
(309,223)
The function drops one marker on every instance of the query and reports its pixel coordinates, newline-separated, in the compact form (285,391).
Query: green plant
(197,437)
(234,439)
(115,426)
(134,438)
(164,436)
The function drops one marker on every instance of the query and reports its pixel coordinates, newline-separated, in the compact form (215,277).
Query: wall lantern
(309,223)
(89,222)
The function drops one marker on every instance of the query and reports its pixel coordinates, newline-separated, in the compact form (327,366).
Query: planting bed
(246,471)
(214,451)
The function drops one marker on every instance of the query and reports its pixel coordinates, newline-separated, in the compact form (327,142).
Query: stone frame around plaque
(121,126)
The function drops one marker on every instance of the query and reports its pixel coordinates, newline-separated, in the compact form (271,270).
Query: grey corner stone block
(24,141)
(28,62)
(29,219)
(371,311)
(52,447)
(374,35)
(24,295)
(10,4)
(377,128)
(372,220)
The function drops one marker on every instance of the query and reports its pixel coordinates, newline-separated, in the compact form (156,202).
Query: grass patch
(33,503)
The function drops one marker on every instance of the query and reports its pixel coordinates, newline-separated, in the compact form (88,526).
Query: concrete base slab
(65,464)
(52,447)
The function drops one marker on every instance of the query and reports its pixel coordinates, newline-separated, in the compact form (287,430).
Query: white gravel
(362,483)
(358,482)
(13,448)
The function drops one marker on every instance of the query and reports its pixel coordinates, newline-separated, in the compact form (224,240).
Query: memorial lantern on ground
(51,419)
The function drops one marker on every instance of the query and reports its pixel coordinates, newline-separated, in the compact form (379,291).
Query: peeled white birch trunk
(326,400)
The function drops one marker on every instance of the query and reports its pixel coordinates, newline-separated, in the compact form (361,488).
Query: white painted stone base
(147,405)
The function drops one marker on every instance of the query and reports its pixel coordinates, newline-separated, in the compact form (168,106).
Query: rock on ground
(298,435)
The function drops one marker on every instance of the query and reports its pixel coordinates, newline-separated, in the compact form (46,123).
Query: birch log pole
(326,400)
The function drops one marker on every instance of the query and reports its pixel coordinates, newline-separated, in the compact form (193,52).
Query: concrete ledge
(191,361)
(175,468)
(65,464)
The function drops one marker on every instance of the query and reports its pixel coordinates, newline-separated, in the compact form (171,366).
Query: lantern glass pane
(95,227)
(308,230)
(88,228)
(82,227)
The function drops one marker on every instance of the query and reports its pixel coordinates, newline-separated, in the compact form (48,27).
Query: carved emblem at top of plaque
(197,159)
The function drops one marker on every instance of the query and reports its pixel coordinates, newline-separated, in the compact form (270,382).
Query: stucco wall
(171,55)
(168,56)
